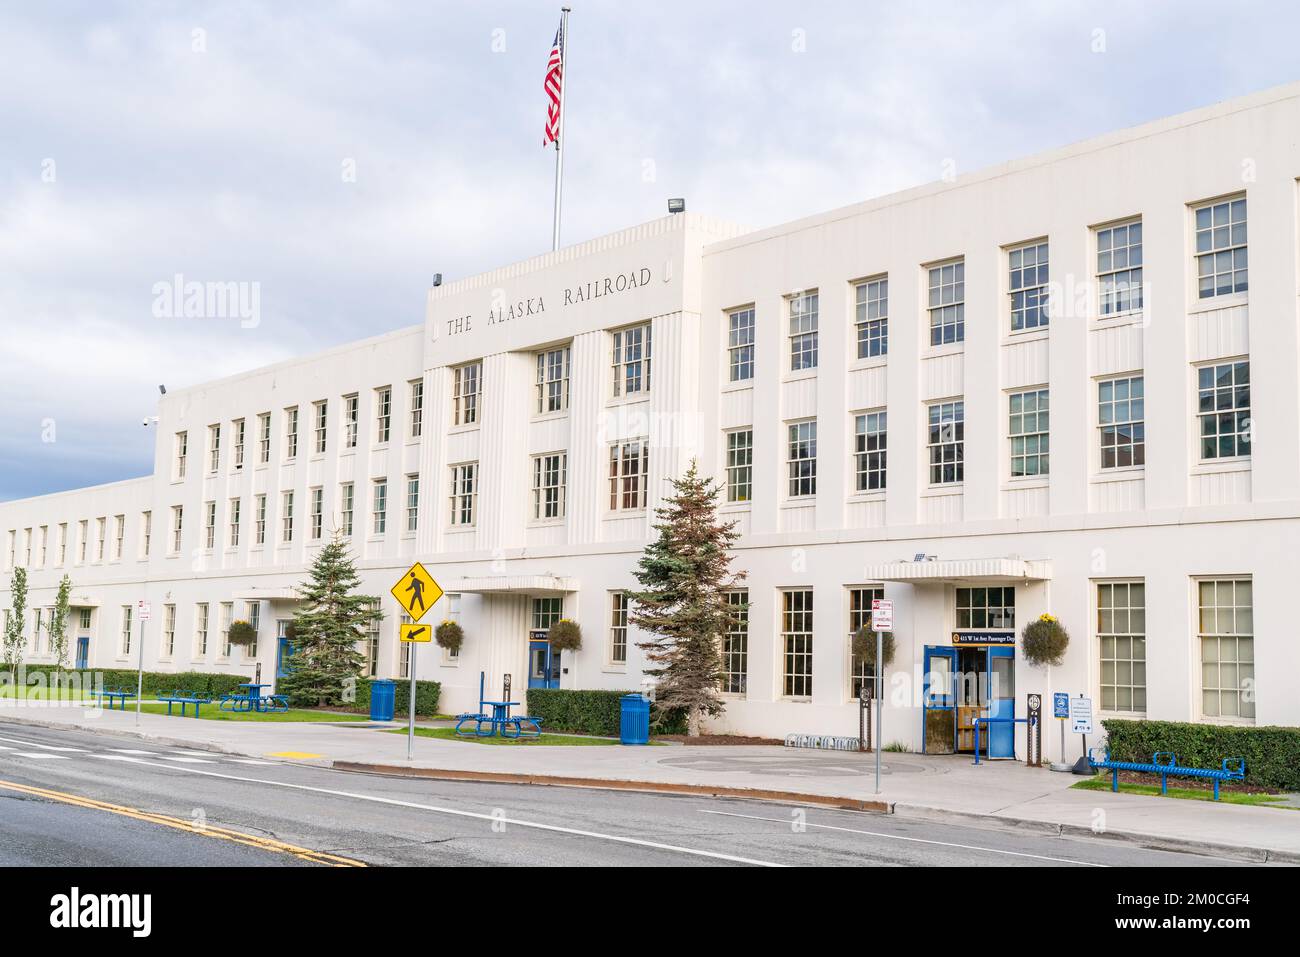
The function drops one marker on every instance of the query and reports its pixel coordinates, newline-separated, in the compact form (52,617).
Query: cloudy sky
(338,154)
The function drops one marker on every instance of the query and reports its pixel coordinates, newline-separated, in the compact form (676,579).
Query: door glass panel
(1004,678)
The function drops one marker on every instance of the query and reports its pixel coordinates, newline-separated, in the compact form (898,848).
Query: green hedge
(1272,753)
(207,682)
(592,712)
(427,695)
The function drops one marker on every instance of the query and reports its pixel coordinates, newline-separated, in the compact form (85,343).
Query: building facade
(1026,391)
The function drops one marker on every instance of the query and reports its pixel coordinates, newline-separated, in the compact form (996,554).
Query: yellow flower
(1051,619)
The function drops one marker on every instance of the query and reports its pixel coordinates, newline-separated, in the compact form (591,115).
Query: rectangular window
(870,450)
(253,613)
(225,615)
(1028,431)
(259,521)
(291,434)
(286,517)
(264,437)
(182,453)
(1121,421)
(317,513)
(801,459)
(1027,285)
(629,466)
(1121,635)
(467,384)
(45,544)
(169,631)
(383,415)
(735,643)
(740,465)
(238,427)
(453,614)
(1119,268)
(370,646)
(346,492)
(632,360)
(63,543)
(553,380)
(178,523)
(404,652)
(550,480)
(946,441)
(83,536)
(618,628)
(861,672)
(803,331)
(464,492)
(992,609)
(83,618)
(1221,248)
(740,344)
(351,407)
(101,533)
(119,537)
(379,507)
(209,524)
(872,317)
(1226,628)
(947,302)
(546,612)
(235,506)
(797,642)
(125,644)
(417,408)
(214,449)
(412,503)
(1223,408)
(200,629)
(321,415)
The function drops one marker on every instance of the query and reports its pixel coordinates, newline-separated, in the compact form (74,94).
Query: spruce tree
(330,622)
(685,574)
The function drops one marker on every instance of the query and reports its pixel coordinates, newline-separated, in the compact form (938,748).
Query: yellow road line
(208,830)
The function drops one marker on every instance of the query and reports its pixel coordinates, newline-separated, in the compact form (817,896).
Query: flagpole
(559,138)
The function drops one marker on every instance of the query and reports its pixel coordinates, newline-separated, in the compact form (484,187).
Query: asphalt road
(85,798)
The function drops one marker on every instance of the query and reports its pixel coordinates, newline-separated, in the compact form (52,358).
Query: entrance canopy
(512,585)
(961,571)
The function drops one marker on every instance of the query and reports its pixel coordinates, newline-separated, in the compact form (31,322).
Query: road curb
(613,784)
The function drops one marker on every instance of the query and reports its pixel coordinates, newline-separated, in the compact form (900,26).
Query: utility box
(383,696)
(634,723)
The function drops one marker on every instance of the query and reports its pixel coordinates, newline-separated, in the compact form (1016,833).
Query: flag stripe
(553,84)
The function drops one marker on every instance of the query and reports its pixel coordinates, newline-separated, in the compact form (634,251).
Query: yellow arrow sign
(416,632)
(416,591)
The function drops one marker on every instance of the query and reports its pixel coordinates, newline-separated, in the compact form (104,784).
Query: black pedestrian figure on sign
(416,588)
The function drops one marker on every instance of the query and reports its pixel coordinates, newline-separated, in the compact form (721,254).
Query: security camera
(145,421)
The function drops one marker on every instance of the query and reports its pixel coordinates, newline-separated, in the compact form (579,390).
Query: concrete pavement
(921,787)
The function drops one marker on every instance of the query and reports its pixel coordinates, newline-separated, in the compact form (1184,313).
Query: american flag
(554,83)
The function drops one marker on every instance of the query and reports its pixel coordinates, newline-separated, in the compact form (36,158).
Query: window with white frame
(801,459)
(351,413)
(629,468)
(214,449)
(1221,267)
(119,537)
(1027,430)
(797,642)
(1226,629)
(38,618)
(125,645)
(1223,409)
(871,317)
(63,544)
(178,523)
(169,631)
(1119,268)
(740,344)
(464,493)
(403,650)
(803,320)
(740,465)
(321,414)
(45,544)
(383,415)
(83,618)
(146,535)
(379,507)
(618,627)
(870,451)
(83,538)
(453,614)
(209,524)
(291,433)
(946,442)
(417,407)
(347,492)
(735,644)
(1121,422)
(546,612)
(182,445)
(286,517)
(467,385)
(253,615)
(550,482)
(370,644)
(101,535)
(1122,645)
(987,608)
(200,629)
(259,520)
(235,506)
(632,360)
(553,380)
(861,671)
(264,437)
(238,427)
(225,615)
(1027,286)
(946,302)
(317,503)
(412,502)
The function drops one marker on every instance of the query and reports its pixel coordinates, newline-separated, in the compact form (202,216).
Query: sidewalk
(949,788)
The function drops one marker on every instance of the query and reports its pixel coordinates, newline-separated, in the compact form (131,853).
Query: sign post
(1081,723)
(882,620)
(1061,711)
(1034,733)
(143,614)
(417,592)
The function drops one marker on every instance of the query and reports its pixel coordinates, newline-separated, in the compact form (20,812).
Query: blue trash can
(383,696)
(634,723)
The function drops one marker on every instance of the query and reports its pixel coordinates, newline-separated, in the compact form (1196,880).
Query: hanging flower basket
(241,633)
(1044,640)
(449,635)
(864,646)
(565,635)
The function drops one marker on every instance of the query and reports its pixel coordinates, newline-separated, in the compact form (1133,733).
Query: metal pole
(139,677)
(559,138)
(880,697)
(410,729)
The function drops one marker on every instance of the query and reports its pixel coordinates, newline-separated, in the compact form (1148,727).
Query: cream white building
(1029,390)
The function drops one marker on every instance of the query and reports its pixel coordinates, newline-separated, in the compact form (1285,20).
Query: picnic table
(498,722)
(252,699)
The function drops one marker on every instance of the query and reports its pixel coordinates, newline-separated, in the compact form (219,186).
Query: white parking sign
(882,614)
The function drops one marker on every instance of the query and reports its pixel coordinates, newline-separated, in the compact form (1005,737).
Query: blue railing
(978,721)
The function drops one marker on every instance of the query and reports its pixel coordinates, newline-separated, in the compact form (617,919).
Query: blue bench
(1234,769)
(263,703)
(184,699)
(120,695)
(520,731)
(479,720)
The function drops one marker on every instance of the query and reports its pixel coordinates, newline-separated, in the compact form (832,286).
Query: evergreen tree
(14,640)
(685,574)
(330,622)
(58,627)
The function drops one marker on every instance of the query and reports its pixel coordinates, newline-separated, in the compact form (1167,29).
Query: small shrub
(449,635)
(565,635)
(864,646)
(1272,753)
(593,712)
(1044,641)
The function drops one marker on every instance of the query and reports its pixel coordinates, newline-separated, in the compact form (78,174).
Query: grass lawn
(555,740)
(210,712)
(1102,783)
(41,693)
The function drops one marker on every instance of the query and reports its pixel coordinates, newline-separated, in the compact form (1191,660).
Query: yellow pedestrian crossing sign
(416,632)
(416,591)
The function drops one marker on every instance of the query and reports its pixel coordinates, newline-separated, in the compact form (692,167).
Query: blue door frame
(1002,701)
(939,699)
(543,664)
(83,651)
(283,653)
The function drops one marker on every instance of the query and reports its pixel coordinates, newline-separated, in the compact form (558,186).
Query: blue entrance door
(283,656)
(83,651)
(939,701)
(543,665)
(1002,701)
